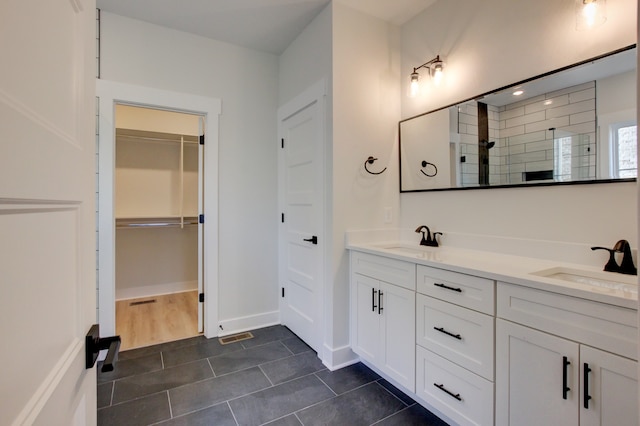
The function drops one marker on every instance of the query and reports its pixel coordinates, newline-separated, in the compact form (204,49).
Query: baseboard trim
(335,359)
(247,323)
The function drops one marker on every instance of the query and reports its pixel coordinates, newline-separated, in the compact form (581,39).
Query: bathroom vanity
(487,338)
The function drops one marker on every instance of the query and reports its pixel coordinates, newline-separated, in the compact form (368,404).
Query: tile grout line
(232,413)
(161,360)
(393,394)
(169,401)
(389,416)
(113,389)
(324,383)
(211,367)
(265,375)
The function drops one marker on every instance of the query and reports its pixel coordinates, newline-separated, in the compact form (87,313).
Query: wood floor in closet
(156,319)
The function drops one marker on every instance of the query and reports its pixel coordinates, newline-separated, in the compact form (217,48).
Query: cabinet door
(365,322)
(398,308)
(534,386)
(612,385)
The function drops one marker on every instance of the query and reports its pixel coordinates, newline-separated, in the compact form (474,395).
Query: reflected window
(624,146)
(562,159)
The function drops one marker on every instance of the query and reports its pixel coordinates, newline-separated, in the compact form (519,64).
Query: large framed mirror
(573,125)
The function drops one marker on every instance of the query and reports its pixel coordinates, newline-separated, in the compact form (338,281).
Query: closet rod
(158,222)
(138,138)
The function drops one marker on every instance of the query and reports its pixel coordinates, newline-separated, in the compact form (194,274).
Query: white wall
(490,44)
(307,60)
(246,81)
(366,110)
(359,57)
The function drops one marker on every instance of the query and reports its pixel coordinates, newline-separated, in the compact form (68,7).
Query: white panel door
(534,383)
(301,237)
(608,389)
(365,326)
(47,211)
(398,308)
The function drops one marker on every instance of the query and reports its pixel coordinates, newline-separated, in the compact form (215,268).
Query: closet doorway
(158,194)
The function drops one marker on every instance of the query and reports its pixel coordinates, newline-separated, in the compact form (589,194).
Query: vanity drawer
(600,325)
(465,290)
(458,334)
(461,395)
(381,268)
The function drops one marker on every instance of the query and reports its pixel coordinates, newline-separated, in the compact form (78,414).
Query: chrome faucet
(626,266)
(428,241)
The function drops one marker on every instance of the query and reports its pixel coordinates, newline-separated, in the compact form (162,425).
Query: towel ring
(370,160)
(425,164)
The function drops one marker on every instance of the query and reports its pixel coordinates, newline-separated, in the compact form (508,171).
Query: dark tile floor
(272,379)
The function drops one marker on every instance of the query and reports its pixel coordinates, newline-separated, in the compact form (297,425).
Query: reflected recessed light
(518,92)
(548,102)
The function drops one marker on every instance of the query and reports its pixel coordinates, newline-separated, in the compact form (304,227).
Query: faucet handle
(612,265)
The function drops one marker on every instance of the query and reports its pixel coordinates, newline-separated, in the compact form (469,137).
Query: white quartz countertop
(606,287)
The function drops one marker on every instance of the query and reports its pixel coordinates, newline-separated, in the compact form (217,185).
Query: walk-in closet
(158,197)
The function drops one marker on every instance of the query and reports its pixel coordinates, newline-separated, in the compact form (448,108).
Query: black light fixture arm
(427,64)
(370,160)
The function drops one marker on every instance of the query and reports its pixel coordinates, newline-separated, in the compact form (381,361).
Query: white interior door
(301,198)
(47,211)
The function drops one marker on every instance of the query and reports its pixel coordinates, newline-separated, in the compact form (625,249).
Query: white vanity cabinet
(383,315)
(483,352)
(455,344)
(554,360)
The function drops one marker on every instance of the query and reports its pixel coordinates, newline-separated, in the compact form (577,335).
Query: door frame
(111,93)
(315,93)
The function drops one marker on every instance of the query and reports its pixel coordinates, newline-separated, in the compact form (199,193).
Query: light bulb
(414,85)
(590,12)
(437,74)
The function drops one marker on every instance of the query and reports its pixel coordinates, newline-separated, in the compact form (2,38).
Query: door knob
(94,344)
(312,240)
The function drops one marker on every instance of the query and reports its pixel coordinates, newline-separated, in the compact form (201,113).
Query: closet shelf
(147,136)
(155,222)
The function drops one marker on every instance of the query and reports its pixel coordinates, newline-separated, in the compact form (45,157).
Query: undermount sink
(601,279)
(403,249)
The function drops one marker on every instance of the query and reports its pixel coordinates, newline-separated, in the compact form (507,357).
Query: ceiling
(264,25)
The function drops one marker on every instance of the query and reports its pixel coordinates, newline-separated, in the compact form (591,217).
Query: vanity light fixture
(590,13)
(434,67)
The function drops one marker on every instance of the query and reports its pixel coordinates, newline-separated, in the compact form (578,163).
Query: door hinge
(201,298)
(282,218)
(282,143)
(201,218)
(201,139)
(282,291)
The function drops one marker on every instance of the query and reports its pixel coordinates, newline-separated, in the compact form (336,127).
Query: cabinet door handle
(587,397)
(565,363)
(373,299)
(443,389)
(380,308)
(442,330)
(459,290)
